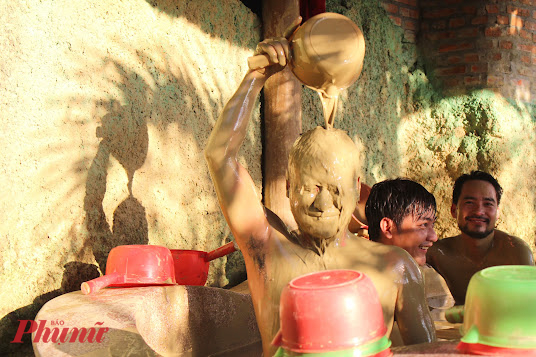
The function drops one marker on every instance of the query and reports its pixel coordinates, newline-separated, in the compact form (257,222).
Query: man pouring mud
(323,194)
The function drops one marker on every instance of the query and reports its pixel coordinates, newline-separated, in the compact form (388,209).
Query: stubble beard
(473,234)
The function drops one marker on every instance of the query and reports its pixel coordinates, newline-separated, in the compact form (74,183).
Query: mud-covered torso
(285,260)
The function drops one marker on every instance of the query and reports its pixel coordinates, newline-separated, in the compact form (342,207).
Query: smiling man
(402,213)
(475,206)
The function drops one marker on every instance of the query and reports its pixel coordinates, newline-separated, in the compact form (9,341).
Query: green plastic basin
(500,307)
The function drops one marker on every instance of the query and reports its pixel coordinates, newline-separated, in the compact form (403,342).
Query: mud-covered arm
(234,186)
(236,191)
(412,313)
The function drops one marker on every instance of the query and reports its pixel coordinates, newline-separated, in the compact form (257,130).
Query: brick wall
(406,14)
(474,44)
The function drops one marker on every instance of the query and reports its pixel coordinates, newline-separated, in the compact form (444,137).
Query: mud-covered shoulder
(394,256)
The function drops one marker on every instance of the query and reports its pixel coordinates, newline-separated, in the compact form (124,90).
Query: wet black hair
(475,175)
(396,199)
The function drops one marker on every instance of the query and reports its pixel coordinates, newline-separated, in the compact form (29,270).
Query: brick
(469,10)
(534,37)
(456,22)
(503,20)
(452,82)
(517,22)
(456,47)
(410,36)
(525,59)
(435,36)
(534,14)
(487,44)
(451,70)
(492,9)
(470,58)
(438,13)
(527,72)
(479,68)
(439,25)
(408,2)
(467,32)
(413,14)
(517,11)
(479,20)
(410,25)
(468,81)
(494,80)
(527,48)
(512,30)
(520,83)
(507,45)
(397,20)
(390,8)
(497,56)
(531,25)
(525,34)
(454,59)
(493,31)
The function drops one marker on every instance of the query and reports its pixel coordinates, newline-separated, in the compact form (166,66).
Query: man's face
(322,201)
(416,234)
(477,209)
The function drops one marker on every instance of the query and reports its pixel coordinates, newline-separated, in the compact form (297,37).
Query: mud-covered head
(323,176)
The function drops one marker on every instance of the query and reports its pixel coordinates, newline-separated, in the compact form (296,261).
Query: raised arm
(235,189)
(412,313)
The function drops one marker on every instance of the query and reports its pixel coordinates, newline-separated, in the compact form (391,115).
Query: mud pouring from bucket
(326,54)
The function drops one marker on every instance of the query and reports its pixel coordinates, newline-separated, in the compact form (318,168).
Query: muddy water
(329,105)
(327,54)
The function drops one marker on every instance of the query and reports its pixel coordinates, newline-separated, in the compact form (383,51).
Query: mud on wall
(106,107)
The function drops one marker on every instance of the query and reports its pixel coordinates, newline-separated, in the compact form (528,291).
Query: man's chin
(476,234)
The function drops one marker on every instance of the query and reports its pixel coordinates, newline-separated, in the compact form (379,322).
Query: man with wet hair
(402,212)
(323,193)
(475,206)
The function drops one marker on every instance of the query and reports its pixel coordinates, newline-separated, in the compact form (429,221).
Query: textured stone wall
(95,94)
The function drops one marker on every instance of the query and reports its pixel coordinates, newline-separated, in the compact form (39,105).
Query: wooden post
(282,113)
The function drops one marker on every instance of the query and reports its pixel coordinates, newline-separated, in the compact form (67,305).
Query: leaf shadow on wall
(124,136)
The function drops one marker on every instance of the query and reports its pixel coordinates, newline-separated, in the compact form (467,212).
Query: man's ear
(386,227)
(498,212)
(453,210)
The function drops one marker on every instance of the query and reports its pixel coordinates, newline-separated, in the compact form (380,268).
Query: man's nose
(432,237)
(323,200)
(479,207)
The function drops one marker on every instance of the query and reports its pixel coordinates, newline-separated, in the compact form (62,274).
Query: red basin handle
(92,286)
(221,251)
